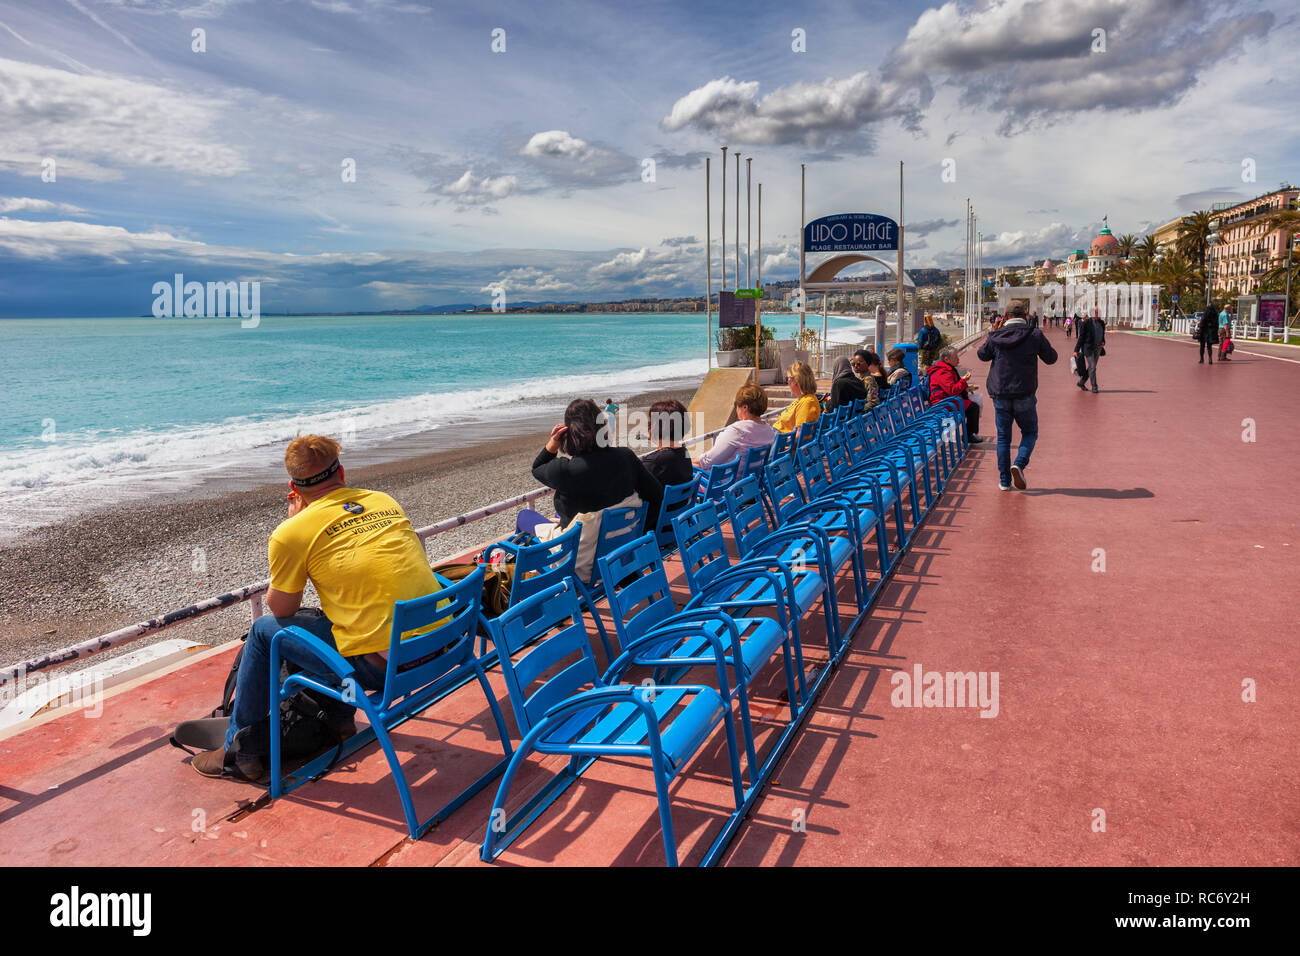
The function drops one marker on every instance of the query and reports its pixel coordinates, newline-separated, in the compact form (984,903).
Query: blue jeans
(252,686)
(1024,411)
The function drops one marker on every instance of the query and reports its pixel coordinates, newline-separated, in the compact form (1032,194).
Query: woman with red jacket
(945,382)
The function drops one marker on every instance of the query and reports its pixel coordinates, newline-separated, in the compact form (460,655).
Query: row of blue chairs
(797,523)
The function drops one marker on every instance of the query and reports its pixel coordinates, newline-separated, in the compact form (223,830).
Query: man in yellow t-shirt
(361,554)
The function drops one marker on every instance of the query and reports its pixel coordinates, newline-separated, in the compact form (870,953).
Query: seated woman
(899,376)
(846,388)
(946,382)
(596,476)
(805,407)
(746,432)
(669,463)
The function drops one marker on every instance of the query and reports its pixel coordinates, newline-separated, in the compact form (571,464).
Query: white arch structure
(823,278)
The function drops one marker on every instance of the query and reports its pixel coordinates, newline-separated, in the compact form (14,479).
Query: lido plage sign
(851,232)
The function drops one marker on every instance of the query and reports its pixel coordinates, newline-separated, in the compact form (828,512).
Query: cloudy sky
(508,143)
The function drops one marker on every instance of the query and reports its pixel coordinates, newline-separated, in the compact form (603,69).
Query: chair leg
(666,816)
(399,778)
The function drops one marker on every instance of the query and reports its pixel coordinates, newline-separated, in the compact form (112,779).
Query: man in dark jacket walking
(1014,351)
(1208,333)
(1091,342)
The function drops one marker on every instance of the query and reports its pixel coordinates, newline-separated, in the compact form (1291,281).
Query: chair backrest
(858,407)
(884,424)
(552,614)
(746,512)
(618,526)
(636,587)
(918,402)
(538,566)
(439,631)
(676,499)
(700,544)
(812,464)
(805,432)
(782,445)
(756,460)
(719,477)
(835,445)
(783,487)
(856,443)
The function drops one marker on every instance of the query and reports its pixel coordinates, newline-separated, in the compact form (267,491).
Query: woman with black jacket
(596,476)
(1208,333)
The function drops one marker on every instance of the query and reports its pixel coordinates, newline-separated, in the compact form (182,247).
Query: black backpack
(305,728)
(929,337)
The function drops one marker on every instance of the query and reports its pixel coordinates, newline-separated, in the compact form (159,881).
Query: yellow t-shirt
(361,553)
(805,409)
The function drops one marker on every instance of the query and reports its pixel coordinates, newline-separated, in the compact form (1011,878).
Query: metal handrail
(251,592)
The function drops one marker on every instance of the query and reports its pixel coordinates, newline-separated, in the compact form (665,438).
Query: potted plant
(805,344)
(730,352)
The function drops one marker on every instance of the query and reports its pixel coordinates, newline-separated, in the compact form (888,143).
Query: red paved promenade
(1119,690)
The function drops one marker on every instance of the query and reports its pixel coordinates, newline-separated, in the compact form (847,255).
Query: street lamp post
(1210,239)
(1286,321)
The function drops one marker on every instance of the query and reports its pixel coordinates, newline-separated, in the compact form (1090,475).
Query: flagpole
(898,329)
(737,155)
(749,211)
(708,267)
(723,287)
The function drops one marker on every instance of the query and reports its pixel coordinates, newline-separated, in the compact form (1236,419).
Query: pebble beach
(113,567)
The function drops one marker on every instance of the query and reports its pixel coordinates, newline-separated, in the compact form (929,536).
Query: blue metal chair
(782,445)
(574,711)
(794,542)
(435,655)
(752,582)
(805,432)
(537,567)
(640,600)
(756,460)
(714,481)
(677,498)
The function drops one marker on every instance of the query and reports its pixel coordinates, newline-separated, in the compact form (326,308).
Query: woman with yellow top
(805,407)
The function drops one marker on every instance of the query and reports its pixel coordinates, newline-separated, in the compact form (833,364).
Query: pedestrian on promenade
(1225,318)
(1015,350)
(928,341)
(1226,347)
(1068,326)
(1091,346)
(1208,336)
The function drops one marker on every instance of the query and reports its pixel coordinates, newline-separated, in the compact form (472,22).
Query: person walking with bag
(1091,346)
(1015,350)
(1208,334)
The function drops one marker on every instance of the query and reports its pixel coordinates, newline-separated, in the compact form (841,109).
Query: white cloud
(93,125)
(27,204)
(575,160)
(812,114)
(1028,58)
(470,190)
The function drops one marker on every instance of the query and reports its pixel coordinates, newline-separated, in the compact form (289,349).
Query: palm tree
(1179,277)
(1193,238)
(1126,243)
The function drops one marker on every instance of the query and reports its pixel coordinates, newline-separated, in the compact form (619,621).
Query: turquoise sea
(104,407)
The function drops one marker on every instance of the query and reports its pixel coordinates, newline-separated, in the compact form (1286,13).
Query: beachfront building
(1102,254)
(1166,237)
(1045,271)
(1246,248)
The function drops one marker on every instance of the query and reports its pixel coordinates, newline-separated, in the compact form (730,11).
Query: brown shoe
(217,763)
